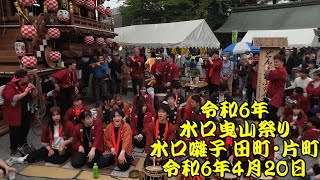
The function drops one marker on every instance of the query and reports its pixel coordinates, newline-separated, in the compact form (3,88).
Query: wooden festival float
(42,35)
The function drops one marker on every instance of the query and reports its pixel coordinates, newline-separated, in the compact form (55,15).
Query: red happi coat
(150,109)
(156,71)
(72,114)
(311,134)
(277,81)
(303,102)
(134,122)
(125,138)
(146,96)
(299,122)
(313,92)
(137,71)
(12,108)
(170,72)
(151,137)
(65,78)
(47,134)
(213,71)
(96,132)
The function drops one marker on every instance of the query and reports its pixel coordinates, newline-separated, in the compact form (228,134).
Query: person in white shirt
(301,81)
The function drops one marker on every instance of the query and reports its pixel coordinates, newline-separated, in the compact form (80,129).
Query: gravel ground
(35,140)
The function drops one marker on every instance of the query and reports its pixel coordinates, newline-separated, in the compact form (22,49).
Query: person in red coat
(16,95)
(277,81)
(143,93)
(213,66)
(88,142)
(64,82)
(137,73)
(297,120)
(140,119)
(73,112)
(302,101)
(170,72)
(156,71)
(161,130)
(118,142)
(252,78)
(313,90)
(311,133)
(56,139)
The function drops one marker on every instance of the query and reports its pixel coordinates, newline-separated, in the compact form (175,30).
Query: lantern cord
(4,22)
(39,102)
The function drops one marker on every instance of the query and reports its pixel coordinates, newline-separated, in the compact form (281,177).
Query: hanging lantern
(26,3)
(63,15)
(89,40)
(108,11)
(55,56)
(52,5)
(108,41)
(100,9)
(90,5)
(20,48)
(29,61)
(100,41)
(28,31)
(80,2)
(53,33)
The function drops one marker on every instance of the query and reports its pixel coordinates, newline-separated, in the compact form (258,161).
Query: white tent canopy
(297,38)
(184,34)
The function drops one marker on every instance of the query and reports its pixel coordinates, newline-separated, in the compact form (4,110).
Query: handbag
(26,149)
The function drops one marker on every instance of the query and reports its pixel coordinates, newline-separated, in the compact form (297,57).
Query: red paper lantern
(52,5)
(29,61)
(90,5)
(80,2)
(100,41)
(53,33)
(55,55)
(100,9)
(108,40)
(89,40)
(26,3)
(108,11)
(28,31)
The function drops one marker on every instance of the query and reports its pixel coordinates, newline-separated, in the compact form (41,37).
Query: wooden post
(269,47)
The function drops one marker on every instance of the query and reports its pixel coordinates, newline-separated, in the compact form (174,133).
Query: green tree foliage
(215,12)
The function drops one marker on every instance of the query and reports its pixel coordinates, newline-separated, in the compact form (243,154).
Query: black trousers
(64,99)
(140,144)
(42,154)
(149,162)
(135,84)
(116,85)
(109,159)
(212,87)
(272,114)
(80,159)
(19,134)
(250,92)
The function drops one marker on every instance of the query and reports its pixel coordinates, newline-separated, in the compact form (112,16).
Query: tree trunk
(274,1)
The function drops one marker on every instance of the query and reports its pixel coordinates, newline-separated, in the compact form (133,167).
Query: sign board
(266,57)
(270,42)
(269,47)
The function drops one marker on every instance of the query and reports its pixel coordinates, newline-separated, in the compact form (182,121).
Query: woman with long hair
(56,139)
(143,93)
(140,119)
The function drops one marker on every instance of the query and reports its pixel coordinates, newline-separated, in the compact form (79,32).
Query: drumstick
(154,161)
